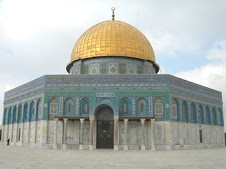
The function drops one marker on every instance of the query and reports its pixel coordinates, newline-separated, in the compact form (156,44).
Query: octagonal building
(113,98)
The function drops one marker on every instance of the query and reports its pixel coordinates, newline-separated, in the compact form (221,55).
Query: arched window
(25,112)
(141,106)
(32,110)
(5,117)
(85,106)
(19,118)
(14,114)
(207,110)
(200,116)
(193,111)
(219,116)
(124,106)
(10,116)
(39,109)
(213,116)
(53,107)
(158,106)
(174,109)
(68,107)
(184,111)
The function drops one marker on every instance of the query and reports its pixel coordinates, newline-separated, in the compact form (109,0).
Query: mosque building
(113,98)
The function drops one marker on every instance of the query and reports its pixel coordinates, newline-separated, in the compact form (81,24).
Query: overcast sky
(188,36)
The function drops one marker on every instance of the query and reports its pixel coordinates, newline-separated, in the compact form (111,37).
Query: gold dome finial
(113,13)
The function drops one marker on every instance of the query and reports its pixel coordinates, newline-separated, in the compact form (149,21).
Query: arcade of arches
(102,131)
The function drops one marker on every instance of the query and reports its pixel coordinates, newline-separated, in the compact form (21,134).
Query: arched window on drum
(158,106)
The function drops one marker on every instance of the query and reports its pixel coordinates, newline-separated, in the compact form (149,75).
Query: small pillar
(55,136)
(64,146)
(81,134)
(153,134)
(125,132)
(116,142)
(91,120)
(142,134)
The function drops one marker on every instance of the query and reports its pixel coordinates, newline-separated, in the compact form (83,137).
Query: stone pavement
(34,158)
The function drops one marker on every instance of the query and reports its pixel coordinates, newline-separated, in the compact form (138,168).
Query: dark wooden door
(105,131)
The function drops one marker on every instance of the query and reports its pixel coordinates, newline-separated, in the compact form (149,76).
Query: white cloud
(218,52)
(211,75)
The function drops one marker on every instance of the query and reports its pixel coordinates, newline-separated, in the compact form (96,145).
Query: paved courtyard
(33,158)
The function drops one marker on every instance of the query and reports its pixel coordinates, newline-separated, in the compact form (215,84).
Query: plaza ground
(34,158)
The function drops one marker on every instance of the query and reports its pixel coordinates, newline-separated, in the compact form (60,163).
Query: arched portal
(105,127)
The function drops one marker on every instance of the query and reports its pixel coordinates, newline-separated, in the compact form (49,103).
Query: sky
(188,37)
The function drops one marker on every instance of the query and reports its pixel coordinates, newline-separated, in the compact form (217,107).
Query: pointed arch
(124,106)
(25,112)
(200,118)
(174,109)
(85,106)
(32,111)
(68,106)
(39,109)
(53,106)
(193,112)
(219,116)
(207,115)
(213,116)
(14,114)
(142,106)
(5,116)
(158,106)
(10,116)
(184,112)
(19,117)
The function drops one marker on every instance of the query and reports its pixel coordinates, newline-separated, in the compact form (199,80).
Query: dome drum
(112,65)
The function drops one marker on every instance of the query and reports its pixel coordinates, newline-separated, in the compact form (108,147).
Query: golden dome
(112,38)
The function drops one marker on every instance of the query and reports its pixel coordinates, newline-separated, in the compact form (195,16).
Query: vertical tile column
(91,121)
(142,134)
(153,134)
(55,136)
(125,134)
(64,146)
(116,141)
(81,134)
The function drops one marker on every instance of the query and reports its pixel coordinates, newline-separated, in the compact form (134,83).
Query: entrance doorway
(105,127)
